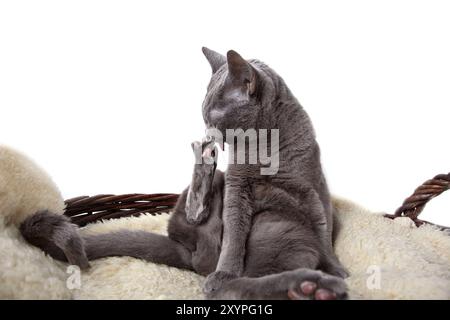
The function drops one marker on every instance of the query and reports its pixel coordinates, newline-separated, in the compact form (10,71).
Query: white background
(106,95)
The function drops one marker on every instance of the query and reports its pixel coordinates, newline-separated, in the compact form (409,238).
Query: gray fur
(257,237)
(199,192)
(138,244)
(216,60)
(54,234)
(275,286)
(249,94)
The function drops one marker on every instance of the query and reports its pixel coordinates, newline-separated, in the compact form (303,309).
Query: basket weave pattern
(85,209)
(415,203)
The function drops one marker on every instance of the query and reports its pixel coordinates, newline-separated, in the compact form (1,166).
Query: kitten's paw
(215,280)
(316,285)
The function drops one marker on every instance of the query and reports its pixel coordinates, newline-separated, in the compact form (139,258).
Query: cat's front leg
(237,218)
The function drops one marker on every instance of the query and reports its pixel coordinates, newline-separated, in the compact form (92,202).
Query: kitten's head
(234,95)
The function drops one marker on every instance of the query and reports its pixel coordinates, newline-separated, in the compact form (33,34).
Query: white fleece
(387,259)
(25,188)
(25,271)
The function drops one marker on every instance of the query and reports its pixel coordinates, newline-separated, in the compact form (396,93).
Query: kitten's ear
(241,71)
(215,59)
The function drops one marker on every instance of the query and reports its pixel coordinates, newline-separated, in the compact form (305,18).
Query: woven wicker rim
(413,206)
(89,209)
(85,209)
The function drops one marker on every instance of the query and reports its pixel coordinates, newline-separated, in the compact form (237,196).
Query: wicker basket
(85,209)
(415,203)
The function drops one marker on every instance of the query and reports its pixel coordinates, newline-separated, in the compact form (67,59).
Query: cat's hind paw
(56,236)
(205,152)
(319,286)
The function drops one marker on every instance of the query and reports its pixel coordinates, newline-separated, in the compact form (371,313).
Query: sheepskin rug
(25,271)
(386,259)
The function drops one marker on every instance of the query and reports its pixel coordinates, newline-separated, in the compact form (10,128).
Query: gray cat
(255,236)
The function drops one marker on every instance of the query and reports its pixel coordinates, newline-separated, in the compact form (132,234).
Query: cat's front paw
(215,280)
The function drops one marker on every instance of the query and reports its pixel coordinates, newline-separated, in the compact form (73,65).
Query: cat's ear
(215,59)
(241,71)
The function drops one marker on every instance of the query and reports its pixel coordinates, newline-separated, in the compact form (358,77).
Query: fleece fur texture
(25,271)
(386,259)
(412,263)
(25,188)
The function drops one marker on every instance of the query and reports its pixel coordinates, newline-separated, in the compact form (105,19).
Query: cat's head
(234,96)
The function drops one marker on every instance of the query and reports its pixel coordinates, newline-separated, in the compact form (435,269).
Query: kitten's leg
(297,284)
(57,236)
(138,244)
(200,192)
